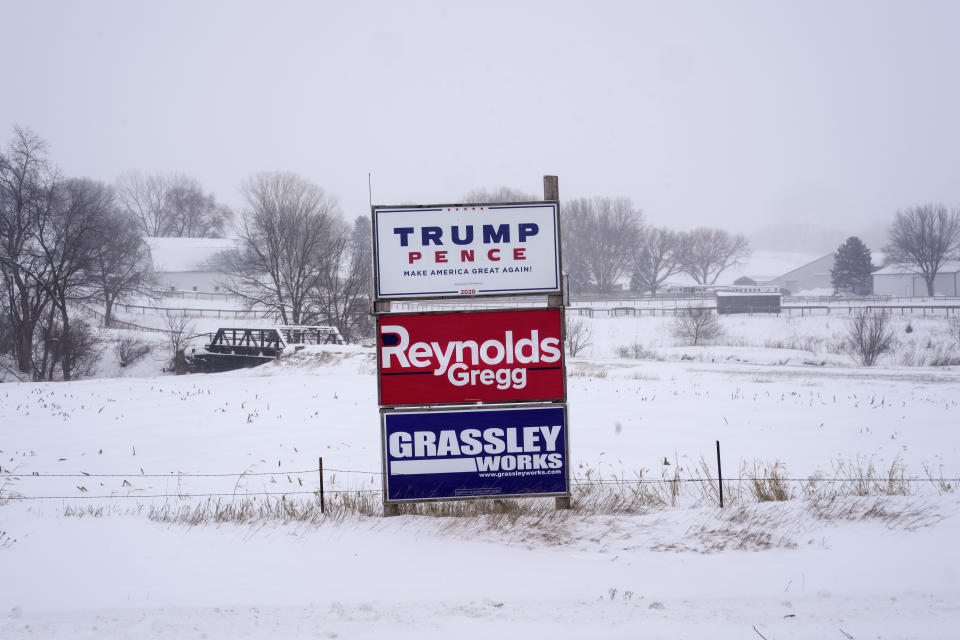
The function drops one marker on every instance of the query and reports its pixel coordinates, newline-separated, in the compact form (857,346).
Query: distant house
(902,280)
(184,264)
(814,275)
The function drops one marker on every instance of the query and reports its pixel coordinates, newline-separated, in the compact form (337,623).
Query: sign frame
(476,408)
(563,357)
(558,265)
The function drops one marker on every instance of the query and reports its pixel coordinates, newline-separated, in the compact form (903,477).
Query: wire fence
(115,323)
(7,476)
(575,483)
(143,496)
(197,312)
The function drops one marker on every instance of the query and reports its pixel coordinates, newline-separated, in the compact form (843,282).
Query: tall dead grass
(593,493)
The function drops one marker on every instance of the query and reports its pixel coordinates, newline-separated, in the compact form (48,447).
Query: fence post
(323,508)
(719,475)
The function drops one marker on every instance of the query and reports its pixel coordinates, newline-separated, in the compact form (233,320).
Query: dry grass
(768,483)
(256,509)
(765,508)
(894,514)
(936,478)
(743,528)
(637,351)
(587,371)
(861,478)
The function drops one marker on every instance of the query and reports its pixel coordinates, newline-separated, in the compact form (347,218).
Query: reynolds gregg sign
(473,249)
(475,356)
(464,453)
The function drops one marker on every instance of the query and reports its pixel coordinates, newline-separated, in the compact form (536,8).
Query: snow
(877,567)
(822,292)
(402,579)
(766,339)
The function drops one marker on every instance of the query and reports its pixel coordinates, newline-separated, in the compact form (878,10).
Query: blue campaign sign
(439,455)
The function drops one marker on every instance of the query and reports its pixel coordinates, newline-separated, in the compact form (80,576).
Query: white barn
(812,276)
(184,264)
(901,280)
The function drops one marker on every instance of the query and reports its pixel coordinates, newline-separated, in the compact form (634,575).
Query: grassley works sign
(490,452)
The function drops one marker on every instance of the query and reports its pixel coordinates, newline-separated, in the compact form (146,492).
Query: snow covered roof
(186,254)
(949,266)
(749,291)
(759,266)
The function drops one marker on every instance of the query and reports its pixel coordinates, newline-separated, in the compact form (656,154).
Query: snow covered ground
(87,565)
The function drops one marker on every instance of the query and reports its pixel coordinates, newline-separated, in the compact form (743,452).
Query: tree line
(607,243)
(297,258)
(921,239)
(66,241)
(61,240)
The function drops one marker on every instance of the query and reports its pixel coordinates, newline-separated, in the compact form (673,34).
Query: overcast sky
(733,114)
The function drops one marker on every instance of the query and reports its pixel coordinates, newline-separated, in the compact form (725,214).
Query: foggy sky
(733,114)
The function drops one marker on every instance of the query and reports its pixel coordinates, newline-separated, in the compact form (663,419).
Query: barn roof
(823,258)
(949,266)
(186,254)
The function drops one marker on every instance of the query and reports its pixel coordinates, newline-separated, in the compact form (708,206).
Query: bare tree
(710,252)
(180,331)
(144,198)
(171,206)
(599,236)
(659,255)
(284,244)
(923,237)
(119,263)
(65,240)
(501,194)
(578,336)
(342,292)
(869,336)
(953,329)
(192,213)
(696,325)
(27,193)
(79,342)
(130,350)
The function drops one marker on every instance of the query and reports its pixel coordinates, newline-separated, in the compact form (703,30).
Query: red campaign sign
(483,356)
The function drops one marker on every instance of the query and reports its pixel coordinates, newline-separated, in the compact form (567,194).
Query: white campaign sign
(450,250)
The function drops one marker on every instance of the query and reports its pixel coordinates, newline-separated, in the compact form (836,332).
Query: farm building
(746,299)
(813,276)
(901,280)
(759,266)
(184,264)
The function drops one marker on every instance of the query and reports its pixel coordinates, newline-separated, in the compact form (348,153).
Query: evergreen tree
(852,268)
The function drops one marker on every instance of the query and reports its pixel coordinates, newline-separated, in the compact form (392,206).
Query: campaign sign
(483,356)
(444,455)
(466,250)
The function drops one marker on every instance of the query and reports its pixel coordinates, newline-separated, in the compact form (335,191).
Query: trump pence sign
(470,356)
(456,250)
(444,455)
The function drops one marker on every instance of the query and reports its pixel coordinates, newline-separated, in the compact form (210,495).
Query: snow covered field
(877,566)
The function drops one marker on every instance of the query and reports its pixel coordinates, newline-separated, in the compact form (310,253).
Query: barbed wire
(573,484)
(170,474)
(585,480)
(189,495)
(877,480)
